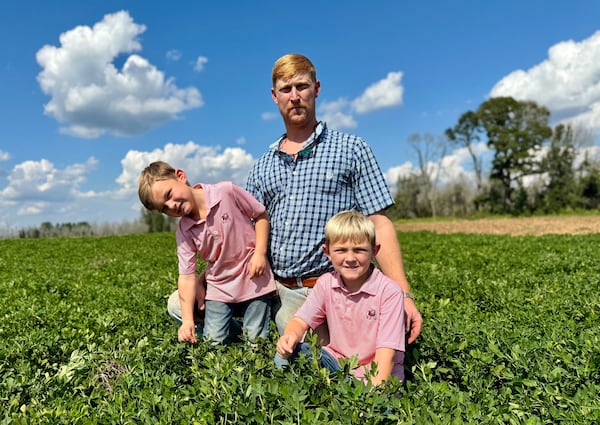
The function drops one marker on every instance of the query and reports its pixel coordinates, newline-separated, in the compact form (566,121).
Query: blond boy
(362,307)
(229,229)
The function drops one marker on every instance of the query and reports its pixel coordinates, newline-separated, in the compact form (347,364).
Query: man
(308,175)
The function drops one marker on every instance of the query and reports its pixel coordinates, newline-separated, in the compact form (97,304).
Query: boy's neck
(200,200)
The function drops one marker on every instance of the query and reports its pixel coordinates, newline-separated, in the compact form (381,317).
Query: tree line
(534,168)
(149,221)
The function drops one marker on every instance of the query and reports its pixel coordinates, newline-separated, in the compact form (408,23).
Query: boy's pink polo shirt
(225,240)
(359,322)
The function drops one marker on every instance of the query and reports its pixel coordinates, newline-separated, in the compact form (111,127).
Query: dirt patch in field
(571,225)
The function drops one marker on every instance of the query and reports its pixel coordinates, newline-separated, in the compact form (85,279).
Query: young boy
(216,223)
(363,308)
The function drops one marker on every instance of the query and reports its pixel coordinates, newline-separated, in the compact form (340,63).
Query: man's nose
(295,94)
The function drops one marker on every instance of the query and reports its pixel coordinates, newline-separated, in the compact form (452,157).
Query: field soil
(573,225)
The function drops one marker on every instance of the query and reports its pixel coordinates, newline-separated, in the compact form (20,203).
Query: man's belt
(297,282)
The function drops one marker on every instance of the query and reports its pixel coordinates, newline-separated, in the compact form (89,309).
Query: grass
(510,335)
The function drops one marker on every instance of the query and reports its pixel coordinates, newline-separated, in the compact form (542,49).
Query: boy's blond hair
(156,171)
(349,226)
(291,64)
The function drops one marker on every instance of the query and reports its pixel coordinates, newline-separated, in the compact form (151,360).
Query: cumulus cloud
(567,82)
(34,186)
(202,164)
(92,97)
(385,93)
(453,167)
(200,62)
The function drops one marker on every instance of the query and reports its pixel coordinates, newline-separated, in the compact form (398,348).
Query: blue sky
(94,90)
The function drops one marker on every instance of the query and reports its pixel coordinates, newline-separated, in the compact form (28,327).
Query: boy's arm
(293,334)
(389,259)
(257,264)
(384,359)
(186,286)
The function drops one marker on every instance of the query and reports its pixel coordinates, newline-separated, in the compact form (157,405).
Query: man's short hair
(291,64)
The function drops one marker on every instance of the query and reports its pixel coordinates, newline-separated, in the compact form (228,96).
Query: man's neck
(299,134)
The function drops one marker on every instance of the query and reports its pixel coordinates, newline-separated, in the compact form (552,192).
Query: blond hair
(349,226)
(291,64)
(154,172)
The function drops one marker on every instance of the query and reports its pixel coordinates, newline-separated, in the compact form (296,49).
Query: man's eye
(285,90)
(302,87)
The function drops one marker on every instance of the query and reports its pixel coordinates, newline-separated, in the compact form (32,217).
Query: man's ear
(317,88)
(273,96)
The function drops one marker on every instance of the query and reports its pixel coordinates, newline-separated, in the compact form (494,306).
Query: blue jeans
(327,360)
(174,310)
(256,315)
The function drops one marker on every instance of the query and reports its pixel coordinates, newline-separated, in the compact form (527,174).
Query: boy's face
(173,197)
(351,260)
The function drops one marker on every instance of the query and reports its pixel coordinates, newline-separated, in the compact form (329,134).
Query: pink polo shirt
(225,240)
(359,322)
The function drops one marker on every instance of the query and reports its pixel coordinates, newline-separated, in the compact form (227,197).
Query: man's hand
(187,332)
(413,320)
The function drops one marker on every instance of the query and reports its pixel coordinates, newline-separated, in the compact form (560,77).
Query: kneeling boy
(363,308)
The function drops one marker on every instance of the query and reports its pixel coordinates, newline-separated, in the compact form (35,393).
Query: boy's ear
(376,249)
(326,250)
(180,174)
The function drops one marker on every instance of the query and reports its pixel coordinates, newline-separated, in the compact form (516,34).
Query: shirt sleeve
(391,320)
(370,188)
(186,252)
(246,203)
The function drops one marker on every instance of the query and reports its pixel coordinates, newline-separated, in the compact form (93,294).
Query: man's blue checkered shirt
(336,172)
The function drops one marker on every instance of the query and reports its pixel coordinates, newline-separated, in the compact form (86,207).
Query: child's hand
(286,345)
(257,265)
(187,332)
(200,291)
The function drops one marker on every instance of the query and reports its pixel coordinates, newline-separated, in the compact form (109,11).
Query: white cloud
(567,82)
(200,62)
(34,186)
(92,97)
(383,94)
(4,156)
(333,113)
(173,55)
(202,164)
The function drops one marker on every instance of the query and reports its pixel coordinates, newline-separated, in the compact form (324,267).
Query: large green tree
(516,130)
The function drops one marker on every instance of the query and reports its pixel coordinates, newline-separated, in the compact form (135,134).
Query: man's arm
(389,259)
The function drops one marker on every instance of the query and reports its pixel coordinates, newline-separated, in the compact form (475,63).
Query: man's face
(296,98)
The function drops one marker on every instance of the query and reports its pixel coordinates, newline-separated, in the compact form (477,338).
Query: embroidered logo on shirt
(225,218)
(372,314)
